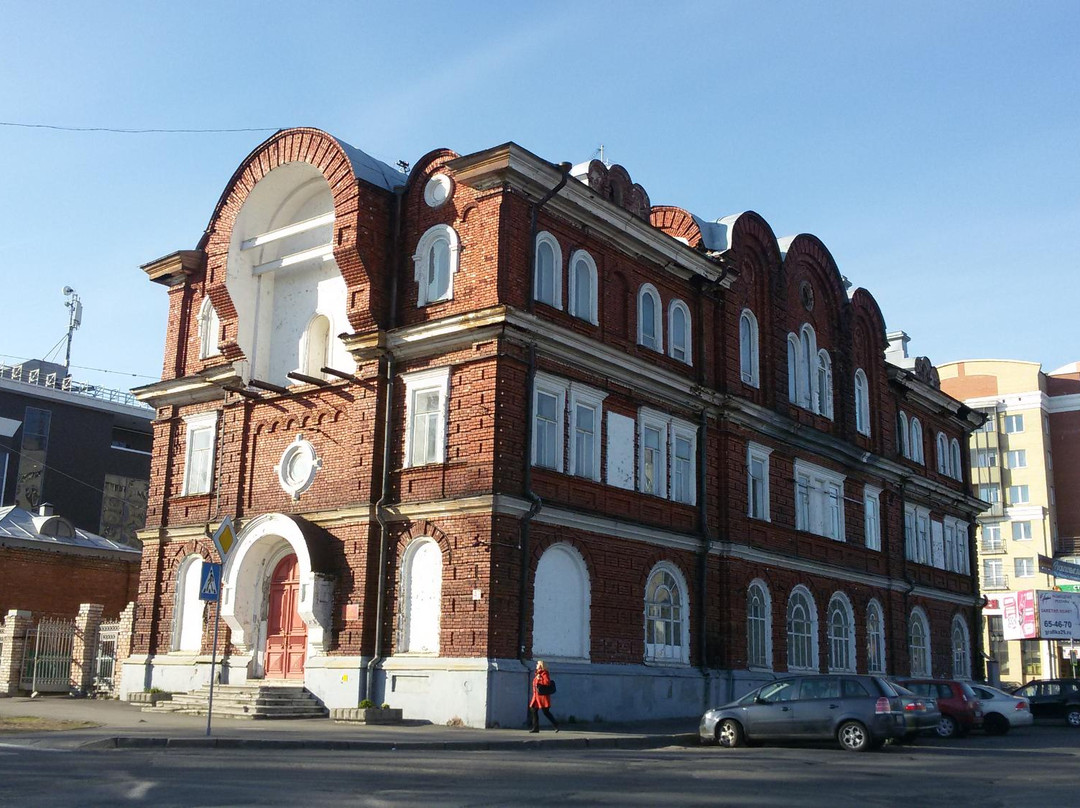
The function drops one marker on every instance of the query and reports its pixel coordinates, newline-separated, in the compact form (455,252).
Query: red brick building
(500,410)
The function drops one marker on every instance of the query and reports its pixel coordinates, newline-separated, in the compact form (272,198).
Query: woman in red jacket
(541,699)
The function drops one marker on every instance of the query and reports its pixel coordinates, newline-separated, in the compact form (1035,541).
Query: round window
(298,466)
(438,190)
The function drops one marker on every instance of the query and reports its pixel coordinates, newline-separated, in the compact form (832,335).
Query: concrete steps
(252,701)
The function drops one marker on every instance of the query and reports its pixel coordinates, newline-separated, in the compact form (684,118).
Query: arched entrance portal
(286,634)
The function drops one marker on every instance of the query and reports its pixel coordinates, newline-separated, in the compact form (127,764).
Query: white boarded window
(315,346)
(188,611)
(620,451)
(422,584)
(561,605)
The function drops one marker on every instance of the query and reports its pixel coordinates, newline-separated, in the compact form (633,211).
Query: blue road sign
(210,582)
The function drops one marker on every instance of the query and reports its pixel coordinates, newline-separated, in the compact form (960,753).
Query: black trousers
(534,717)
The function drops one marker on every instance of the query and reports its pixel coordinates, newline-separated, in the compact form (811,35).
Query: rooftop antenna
(600,152)
(74,306)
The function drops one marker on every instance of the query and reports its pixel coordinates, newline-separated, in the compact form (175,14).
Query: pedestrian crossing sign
(224,537)
(210,582)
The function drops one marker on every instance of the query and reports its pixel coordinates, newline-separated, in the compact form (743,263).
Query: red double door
(286,635)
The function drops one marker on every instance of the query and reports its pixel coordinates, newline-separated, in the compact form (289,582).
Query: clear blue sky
(934,147)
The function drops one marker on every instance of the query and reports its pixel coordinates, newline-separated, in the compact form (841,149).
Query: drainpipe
(390,365)
(565,169)
(706,541)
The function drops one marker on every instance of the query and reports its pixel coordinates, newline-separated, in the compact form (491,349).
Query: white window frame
(872,517)
(668,652)
(917,534)
(875,639)
(657,343)
(920,656)
(993,573)
(749,357)
(196,425)
(315,347)
(425,381)
(941,444)
(588,398)
(209,328)
(544,237)
(189,610)
(687,333)
(1019,495)
(793,368)
(579,259)
(956,459)
(917,450)
(961,649)
(759,628)
(985,458)
(902,434)
(682,431)
(823,384)
(841,644)
(557,388)
(862,403)
(1014,424)
(425,294)
(1016,455)
(759,453)
(817,491)
(1024,567)
(669,429)
(809,639)
(1023,527)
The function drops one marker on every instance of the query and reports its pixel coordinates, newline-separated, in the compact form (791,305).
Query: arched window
(919,642)
(955,465)
(748,348)
(802,629)
(561,605)
(547,280)
(841,634)
(807,365)
(435,264)
(875,638)
(941,453)
(679,340)
(961,649)
(209,328)
(758,626)
(902,435)
(793,368)
(917,441)
(666,618)
(316,346)
(421,579)
(862,403)
(188,610)
(650,327)
(583,286)
(823,395)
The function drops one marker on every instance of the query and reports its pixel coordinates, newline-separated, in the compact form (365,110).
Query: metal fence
(105,656)
(47,657)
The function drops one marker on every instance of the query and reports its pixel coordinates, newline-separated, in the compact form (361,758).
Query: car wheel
(996,724)
(1073,716)
(946,727)
(729,734)
(854,737)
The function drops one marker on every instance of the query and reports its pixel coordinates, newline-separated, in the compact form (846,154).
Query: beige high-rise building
(1032,416)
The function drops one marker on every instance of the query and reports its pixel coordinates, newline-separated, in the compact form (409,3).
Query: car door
(817,707)
(1046,703)
(770,715)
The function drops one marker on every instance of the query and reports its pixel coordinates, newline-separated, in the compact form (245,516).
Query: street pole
(213,663)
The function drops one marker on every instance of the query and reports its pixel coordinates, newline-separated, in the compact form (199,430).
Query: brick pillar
(13,637)
(125,637)
(84,647)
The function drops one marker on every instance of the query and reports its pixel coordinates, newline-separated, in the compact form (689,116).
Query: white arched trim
(209,326)
(961,648)
(759,621)
(650,324)
(583,279)
(842,642)
(748,348)
(434,289)
(875,637)
(680,345)
(919,651)
(548,280)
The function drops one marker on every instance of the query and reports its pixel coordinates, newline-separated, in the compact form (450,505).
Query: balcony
(996,582)
(996,510)
(992,547)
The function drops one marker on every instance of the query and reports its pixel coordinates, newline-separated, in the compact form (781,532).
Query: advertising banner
(1059,615)
(1018,613)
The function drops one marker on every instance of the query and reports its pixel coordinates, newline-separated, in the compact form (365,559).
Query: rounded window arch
(902,434)
(955,458)
(961,649)
(841,634)
(875,637)
(667,626)
(802,630)
(421,590)
(547,277)
(793,377)
(209,328)
(758,625)
(650,322)
(919,642)
(748,349)
(941,449)
(917,441)
(583,295)
(561,605)
(315,348)
(862,403)
(188,610)
(435,264)
(823,392)
(679,338)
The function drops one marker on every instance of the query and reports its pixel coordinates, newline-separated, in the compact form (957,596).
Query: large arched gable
(808,259)
(677,223)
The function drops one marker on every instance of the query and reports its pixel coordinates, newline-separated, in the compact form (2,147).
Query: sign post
(210,590)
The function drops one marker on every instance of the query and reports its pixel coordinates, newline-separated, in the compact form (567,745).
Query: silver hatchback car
(859,712)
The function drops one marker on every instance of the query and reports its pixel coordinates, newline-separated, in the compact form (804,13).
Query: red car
(960,709)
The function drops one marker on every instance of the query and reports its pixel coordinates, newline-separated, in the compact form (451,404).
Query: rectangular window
(1018,494)
(683,479)
(909,533)
(30,479)
(1016,459)
(1014,423)
(988,424)
(1030,658)
(990,493)
(199,455)
(549,417)
(985,458)
(999,648)
(652,459)
(872,510)
(819,500)
(1021,531)
(1024,567)
(994,574)
(922,531)
(992,540)
(757,481)
(426,394)
(585,438)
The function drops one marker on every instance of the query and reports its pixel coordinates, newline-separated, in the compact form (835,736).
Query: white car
(1002,712)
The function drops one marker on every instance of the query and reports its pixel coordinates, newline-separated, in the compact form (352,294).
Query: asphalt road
(1039,765)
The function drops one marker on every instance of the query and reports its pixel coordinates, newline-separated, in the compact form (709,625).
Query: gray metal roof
(367,168)
(19,527)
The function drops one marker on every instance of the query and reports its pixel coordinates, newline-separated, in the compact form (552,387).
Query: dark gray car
(859,712)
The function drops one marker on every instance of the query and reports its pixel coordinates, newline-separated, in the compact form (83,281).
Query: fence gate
(105,657)
(47,657)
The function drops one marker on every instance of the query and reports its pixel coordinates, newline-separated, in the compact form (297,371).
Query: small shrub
(366,703)
(386,706)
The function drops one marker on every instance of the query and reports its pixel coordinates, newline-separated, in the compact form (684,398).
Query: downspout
(703,557)
(535,503)
(390,364)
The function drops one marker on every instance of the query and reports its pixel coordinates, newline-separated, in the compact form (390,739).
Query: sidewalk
(124,726)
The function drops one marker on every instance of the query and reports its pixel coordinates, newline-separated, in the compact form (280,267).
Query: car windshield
(903,691)
(964,686)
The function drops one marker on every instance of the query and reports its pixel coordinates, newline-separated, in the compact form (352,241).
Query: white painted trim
(544,237)
(289,230)
(582,257)
(419,382)
(323,251)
